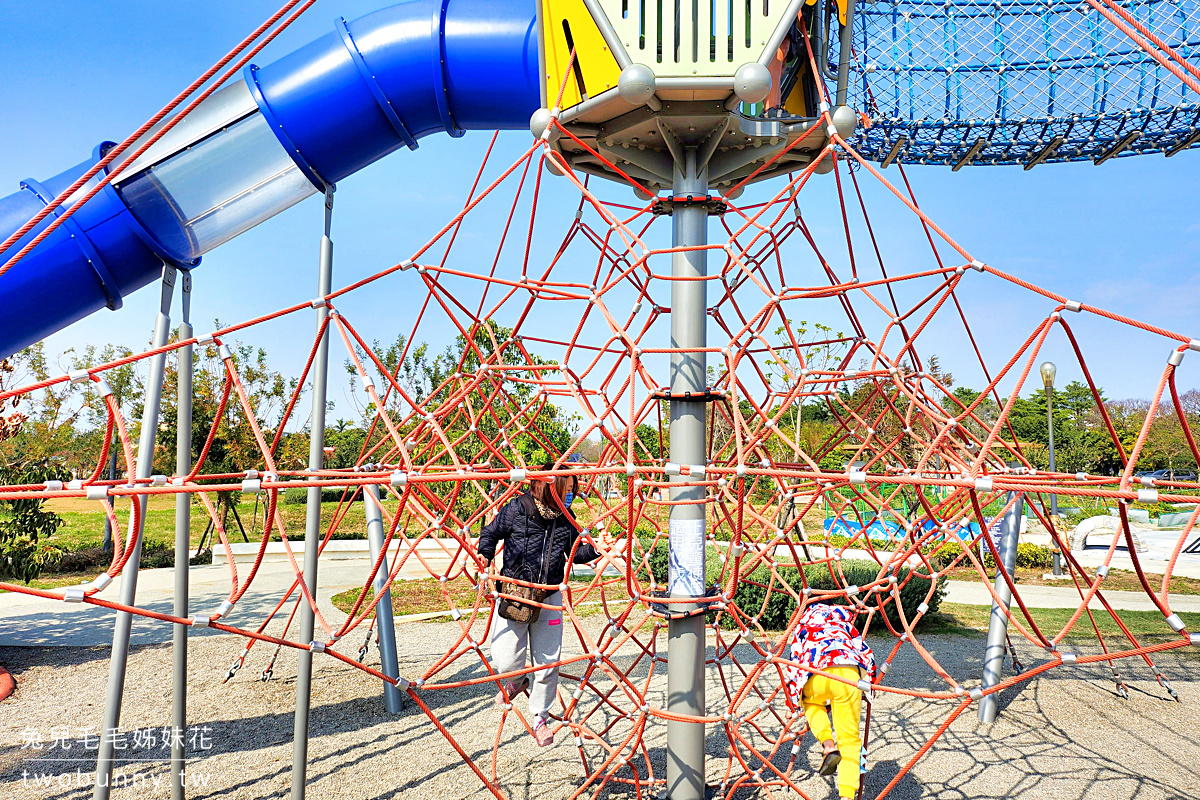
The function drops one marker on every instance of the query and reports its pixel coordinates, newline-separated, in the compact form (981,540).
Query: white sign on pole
(686,563)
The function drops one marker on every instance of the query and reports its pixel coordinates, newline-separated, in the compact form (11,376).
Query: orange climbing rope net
(909,476)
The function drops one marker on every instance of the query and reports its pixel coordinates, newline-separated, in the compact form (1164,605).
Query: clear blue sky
(1125,235)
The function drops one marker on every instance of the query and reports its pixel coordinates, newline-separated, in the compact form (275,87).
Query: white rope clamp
(1176,623)
(1073,305)
(983,484)
(857,477)
(1069,658)
(1176,358)
(670,468)
(1147,496)
(53,486)
(1102,573)
(976,693)
(101,581)
(516,475)
(97,492)
(74,594)
(977,265)
(79,375)
(316,647)
(399,478)
(200,622)
(318,303)
(252,486)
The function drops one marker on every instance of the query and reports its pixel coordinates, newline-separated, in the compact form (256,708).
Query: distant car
(1169,475)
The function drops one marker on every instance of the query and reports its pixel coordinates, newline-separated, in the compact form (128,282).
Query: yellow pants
(845,702)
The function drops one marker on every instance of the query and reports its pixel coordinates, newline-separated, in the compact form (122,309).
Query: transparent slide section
(212,189)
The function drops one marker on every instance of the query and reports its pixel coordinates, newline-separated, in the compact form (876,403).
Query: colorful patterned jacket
(825,637)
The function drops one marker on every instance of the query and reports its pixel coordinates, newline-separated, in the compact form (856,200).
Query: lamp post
(1048,371)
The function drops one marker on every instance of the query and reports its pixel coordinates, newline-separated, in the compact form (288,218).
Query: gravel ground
(1061,735)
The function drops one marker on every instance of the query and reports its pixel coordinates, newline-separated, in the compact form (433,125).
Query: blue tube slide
(286,131)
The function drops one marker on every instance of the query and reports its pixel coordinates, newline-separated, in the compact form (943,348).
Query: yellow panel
(597,67)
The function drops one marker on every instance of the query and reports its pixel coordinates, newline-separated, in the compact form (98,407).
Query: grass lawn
(424,596)
(1118,580)
(956,618)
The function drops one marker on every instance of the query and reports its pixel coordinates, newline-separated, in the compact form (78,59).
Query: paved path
(26,620)
(33,621)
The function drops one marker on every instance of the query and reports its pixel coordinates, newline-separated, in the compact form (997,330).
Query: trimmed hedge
(1029,556)
(299,496)
(781,604)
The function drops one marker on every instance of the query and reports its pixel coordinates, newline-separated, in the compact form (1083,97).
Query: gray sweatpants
(514,643)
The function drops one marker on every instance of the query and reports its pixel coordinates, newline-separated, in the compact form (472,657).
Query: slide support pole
(183,544)
(129,575)
(312,529)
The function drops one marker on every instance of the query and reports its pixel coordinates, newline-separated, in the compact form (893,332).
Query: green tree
(24,524)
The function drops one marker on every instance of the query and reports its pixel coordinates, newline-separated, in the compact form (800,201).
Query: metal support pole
(393,698)
(129,575)
(107,546)
(685,637)
(845,40)
(993,654)
(183,542)
(1053,497)
(312,528)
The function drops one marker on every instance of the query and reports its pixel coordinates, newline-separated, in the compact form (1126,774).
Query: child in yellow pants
(825,639)
(845,702)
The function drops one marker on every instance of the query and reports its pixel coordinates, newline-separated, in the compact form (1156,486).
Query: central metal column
(312,529)
(129,575)
(183,544)
(685,637)
(993,654)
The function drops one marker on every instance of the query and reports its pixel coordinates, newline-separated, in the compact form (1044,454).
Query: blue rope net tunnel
(1020,82)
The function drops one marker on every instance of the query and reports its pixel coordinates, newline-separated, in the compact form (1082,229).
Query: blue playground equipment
(961,83)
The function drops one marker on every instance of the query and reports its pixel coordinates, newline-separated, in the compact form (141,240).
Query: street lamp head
(1047,369)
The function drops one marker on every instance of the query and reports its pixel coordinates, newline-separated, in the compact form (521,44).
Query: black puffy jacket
(533,545)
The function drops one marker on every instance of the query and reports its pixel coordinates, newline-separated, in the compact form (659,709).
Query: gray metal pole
(685,637)
(1053,497)
(183,543)
(846,38)
(124,621)
(312,528)
(112,476)
(393,698)
(993,654)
